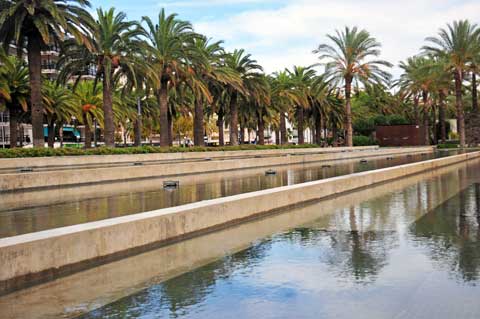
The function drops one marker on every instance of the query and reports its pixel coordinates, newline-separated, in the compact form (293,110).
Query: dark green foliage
(360,140)
(396,119)
(380,120)
(364,126)
(67,151)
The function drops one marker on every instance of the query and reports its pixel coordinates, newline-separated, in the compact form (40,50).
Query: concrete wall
(77,176)
(154,157)
(35,257)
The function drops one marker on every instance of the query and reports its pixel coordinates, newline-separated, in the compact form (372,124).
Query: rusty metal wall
(400,135)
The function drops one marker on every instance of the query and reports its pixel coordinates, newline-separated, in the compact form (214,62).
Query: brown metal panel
(400,135)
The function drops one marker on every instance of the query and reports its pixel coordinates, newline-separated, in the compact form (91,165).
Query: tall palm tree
(14,91)
(210,71)
(302,81)
(409,85)
(88,97)
(284,95)
(348,60)
(114,48)
(38,24)
(320,101)
(252,81)
(457,44)
(60,108)
(171,53)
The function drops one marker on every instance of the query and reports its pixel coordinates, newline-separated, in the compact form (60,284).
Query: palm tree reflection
(451,232)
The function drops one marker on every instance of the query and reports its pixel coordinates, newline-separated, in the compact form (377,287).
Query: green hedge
(68,151)
(448,145)
(360,140)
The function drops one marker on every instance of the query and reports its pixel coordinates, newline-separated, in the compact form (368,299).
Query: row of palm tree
(173,71)
(441,69)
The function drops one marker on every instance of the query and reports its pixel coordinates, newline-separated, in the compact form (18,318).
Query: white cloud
(204,3)
(286,36)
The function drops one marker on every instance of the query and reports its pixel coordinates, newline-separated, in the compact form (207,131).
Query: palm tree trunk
(348,112)
(459,106)
(434,124)
(138,131)
(164,127)
(474,93)
(51,134)
(88,132)
(426,124)
(138,125)
(234,120)
(318,128)
(277,137)
(283,129)
(13,127)
(242,135)
(170,128)
(334,135)
(35,72)
(220,122)
(300,118)
(261,130)
(441,116)
(60,134)
(108,120)
(416,110)
(198,129)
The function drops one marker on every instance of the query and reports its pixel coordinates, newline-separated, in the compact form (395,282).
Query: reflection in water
(452,235)
(392,256)
(149,195)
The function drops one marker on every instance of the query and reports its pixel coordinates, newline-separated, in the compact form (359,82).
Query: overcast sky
(283,33)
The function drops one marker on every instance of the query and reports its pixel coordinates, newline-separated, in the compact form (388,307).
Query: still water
(26,212)
(409,249)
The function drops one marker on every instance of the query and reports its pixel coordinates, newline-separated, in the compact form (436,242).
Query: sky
(284,33)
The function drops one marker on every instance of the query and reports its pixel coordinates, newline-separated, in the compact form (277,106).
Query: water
(26,212)
(409,249)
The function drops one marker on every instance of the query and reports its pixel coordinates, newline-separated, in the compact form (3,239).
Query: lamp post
(138,124)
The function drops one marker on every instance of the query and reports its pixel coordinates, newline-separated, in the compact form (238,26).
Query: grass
(72,151)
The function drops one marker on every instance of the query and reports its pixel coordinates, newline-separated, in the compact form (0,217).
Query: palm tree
(38,24)
(408,84)
(252,86)
(89,103)
(302,80)
(210,72)
(114,47)
(284,95)
(457,44)
(14,91)
(60,108)
(320,101)
(171,53)
(347,60)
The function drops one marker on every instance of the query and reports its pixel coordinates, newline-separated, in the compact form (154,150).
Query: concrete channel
(33,258)
(84,291)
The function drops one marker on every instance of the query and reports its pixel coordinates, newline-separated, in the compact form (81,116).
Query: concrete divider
(35,257)
(57,161)
(55,178)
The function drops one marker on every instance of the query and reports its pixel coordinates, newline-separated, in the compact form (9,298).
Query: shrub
(361,140)
(70,151)
(364,126)
(396,119)
(380,120)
